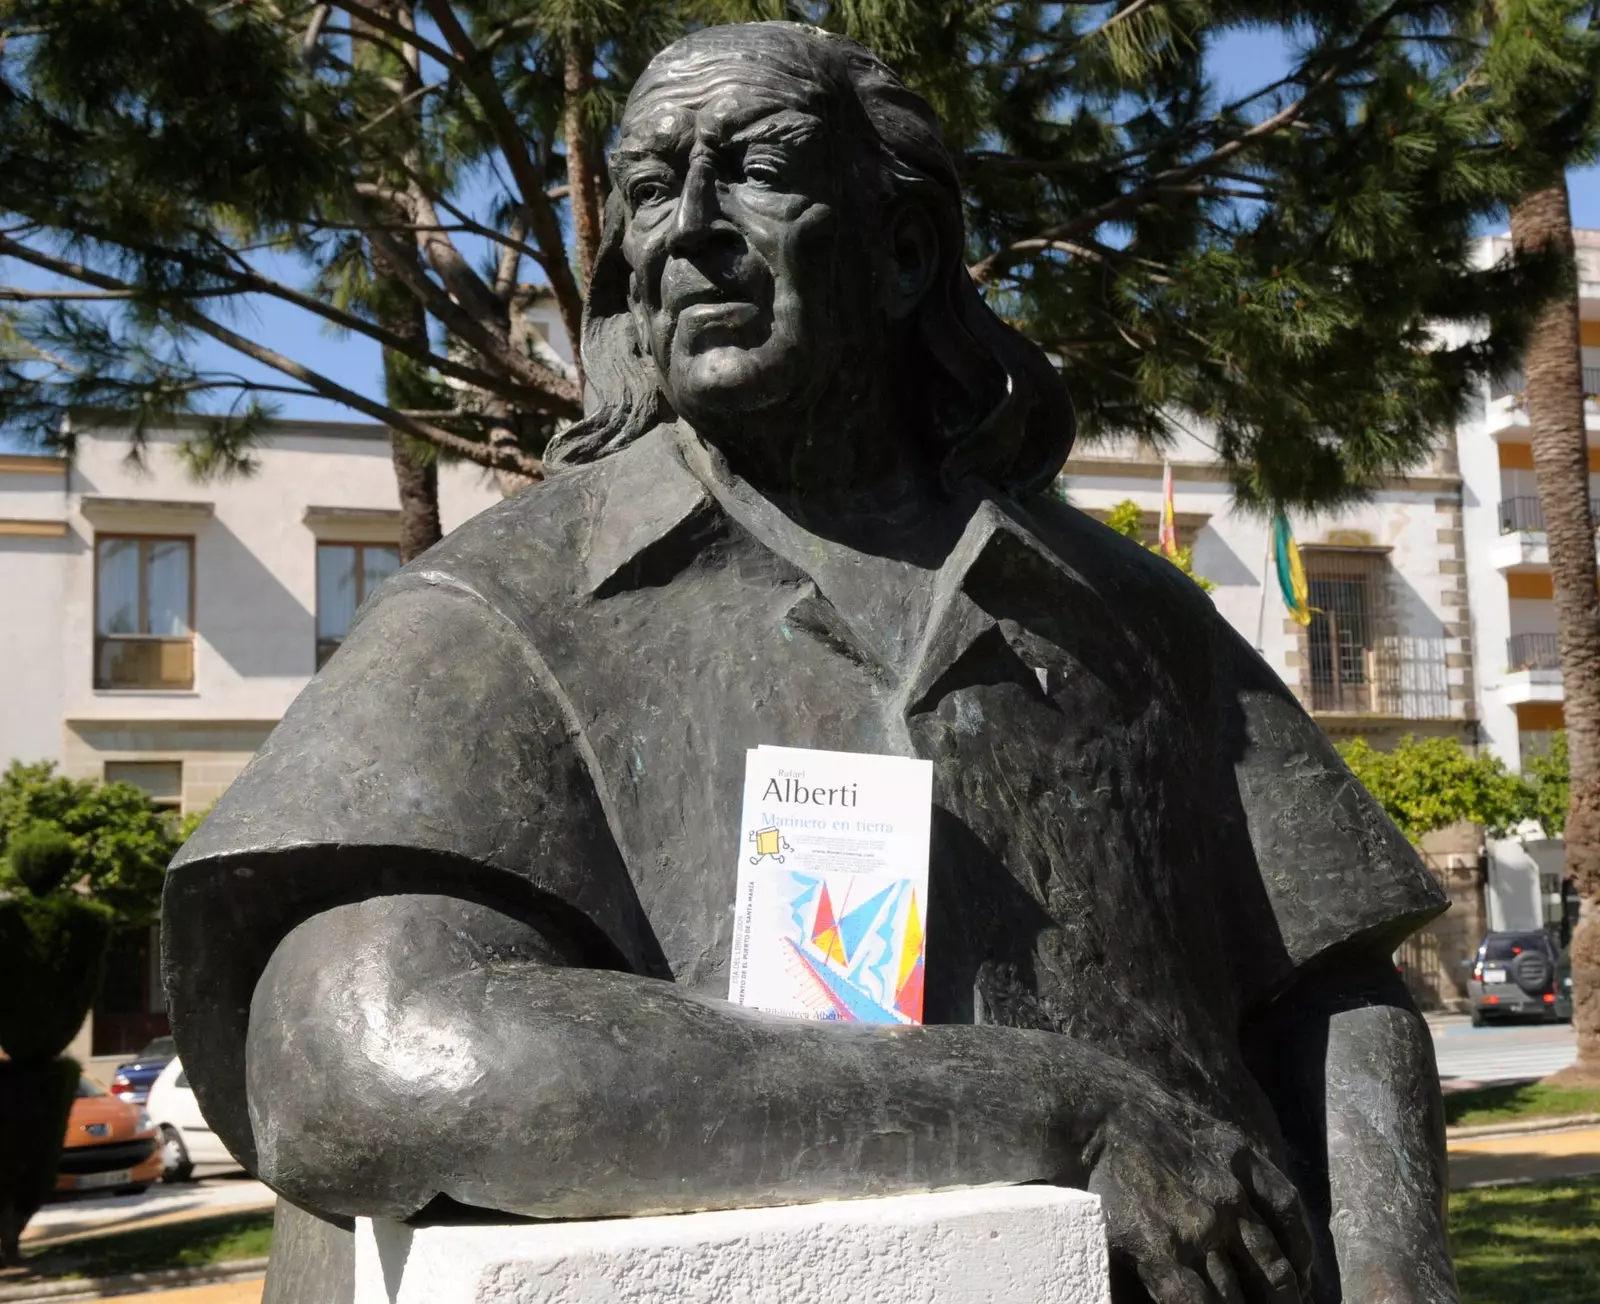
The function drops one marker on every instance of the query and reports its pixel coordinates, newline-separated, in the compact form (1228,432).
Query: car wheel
(1477,1018)
(176,1166)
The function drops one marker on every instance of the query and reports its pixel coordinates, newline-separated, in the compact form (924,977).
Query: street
(1471,1056)
(219,1190)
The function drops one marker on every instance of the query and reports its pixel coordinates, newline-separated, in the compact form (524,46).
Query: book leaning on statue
(831,913)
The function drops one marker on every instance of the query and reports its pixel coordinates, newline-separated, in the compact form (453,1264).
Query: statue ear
(912,256)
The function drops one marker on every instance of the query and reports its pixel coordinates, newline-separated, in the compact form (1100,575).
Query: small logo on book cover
(769,842)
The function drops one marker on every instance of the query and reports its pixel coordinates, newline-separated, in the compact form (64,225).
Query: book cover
(831,911)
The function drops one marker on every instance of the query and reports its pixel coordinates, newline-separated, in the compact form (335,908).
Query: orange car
(110,1145)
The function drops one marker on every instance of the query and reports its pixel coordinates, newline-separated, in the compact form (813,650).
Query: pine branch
(247,280)
(1126,204)
(542,220)
(324,387)
(382,22)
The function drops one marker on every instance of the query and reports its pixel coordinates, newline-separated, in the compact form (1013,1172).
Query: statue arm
(1357,1091)
(411,1046)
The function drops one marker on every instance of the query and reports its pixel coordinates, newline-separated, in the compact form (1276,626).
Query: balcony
(1526,516)
(1533,652)
(1534,670)
(1508,406)
(1522,545)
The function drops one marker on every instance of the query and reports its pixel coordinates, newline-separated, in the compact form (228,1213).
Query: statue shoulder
(1151,595)
(535,534)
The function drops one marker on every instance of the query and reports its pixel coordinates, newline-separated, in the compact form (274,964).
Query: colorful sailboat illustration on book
(860,965)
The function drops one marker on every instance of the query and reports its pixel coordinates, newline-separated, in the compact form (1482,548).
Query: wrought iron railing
(1533,652)
(1525,516)
(1516,382)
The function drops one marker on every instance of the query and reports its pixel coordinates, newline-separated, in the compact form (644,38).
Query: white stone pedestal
(995,1245)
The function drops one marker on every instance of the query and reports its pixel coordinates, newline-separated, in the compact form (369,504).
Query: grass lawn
(192,1244)
(1539,1244)
(1518,1100)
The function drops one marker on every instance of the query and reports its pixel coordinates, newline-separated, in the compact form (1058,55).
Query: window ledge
(146,692)
(354,524)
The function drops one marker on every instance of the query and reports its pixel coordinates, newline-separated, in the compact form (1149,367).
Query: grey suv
(1519,975)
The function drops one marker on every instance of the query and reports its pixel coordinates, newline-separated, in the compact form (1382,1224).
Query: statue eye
(762,172)
(648,190)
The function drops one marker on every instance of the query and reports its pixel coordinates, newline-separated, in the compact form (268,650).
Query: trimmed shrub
(42,856)
(35,1103)
(52,954)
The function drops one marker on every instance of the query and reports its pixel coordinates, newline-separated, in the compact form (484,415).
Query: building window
(161,781)
(144,612)
(1347,593)
(346,574)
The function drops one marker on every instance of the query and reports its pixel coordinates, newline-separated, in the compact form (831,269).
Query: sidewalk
(1531,1157)
(229,1292)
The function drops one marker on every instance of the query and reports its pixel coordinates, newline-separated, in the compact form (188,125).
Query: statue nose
(698,206)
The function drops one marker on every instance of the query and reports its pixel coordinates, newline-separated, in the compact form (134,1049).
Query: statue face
(731,180)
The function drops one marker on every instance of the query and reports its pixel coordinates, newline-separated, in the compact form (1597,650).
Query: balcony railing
(1525,516)
(1533,652)
(1517,382)
(143,661)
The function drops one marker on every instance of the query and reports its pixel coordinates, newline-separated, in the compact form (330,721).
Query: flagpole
(1261,611)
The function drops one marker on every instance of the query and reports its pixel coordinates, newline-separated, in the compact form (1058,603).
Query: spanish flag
(1169,515)
(1291,574)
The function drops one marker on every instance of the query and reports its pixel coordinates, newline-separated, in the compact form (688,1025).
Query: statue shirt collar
(654,515)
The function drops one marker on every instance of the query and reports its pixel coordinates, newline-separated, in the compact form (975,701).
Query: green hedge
(52,954)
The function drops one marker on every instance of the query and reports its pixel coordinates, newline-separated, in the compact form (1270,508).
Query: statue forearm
(394,1056)
(1357,1093)
(1387,1175)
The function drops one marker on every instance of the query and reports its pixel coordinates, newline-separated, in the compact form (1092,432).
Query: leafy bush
(121,840)
(1546,775)
(1127,519)
(42,857)
(1430,783)
(52,955)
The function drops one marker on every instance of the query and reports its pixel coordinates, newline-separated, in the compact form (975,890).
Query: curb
(1520,1127)
(133,1283)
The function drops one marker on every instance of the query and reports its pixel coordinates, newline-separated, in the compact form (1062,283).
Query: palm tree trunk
(1542,221)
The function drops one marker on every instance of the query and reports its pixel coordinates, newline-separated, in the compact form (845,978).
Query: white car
(186,1137)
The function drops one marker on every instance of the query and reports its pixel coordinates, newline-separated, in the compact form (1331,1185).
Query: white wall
(33,573)
(254,561)
(1231,551)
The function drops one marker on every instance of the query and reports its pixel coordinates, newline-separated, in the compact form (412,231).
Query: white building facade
(1519,684)
(157,628)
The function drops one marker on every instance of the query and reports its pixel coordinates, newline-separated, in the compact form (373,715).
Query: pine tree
(414,155)
(1270,269)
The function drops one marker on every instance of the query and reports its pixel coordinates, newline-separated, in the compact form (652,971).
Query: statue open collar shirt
(1138,836)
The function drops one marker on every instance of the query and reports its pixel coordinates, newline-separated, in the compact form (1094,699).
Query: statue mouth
(718,312)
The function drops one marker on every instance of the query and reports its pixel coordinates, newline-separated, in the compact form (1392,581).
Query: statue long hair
(999,410)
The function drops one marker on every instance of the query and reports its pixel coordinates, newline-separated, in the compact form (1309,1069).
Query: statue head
(784,234)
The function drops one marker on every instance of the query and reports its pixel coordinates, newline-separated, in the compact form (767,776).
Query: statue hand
(1194,1211)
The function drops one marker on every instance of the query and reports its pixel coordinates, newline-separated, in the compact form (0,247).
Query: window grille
(1350,640)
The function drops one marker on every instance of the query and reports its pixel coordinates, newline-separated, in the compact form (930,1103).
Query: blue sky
(1241,61)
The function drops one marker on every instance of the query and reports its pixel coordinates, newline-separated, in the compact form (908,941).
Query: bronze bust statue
(456,943)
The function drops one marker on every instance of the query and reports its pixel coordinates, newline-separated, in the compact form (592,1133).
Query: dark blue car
(133,1080)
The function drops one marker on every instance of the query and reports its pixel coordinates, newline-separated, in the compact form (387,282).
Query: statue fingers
(1262,1262)
(1167,1281)
(1224,1280)
(1277,1203)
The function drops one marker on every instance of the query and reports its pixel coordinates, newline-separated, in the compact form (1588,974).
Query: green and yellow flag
(1291,574)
